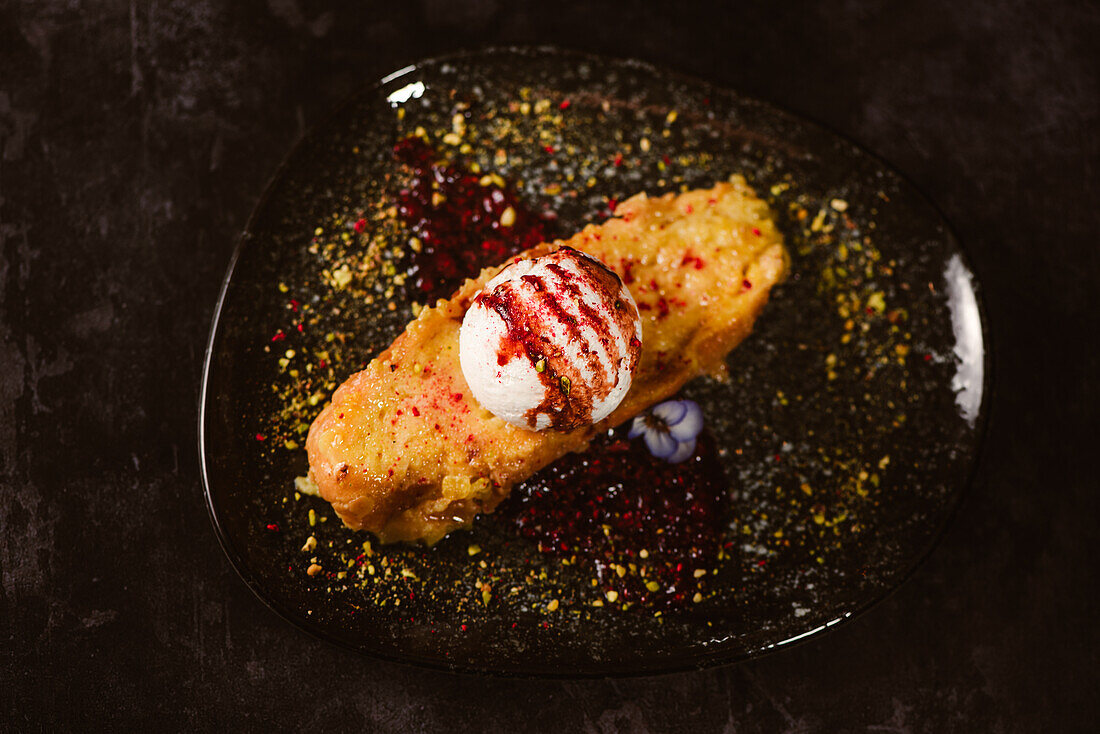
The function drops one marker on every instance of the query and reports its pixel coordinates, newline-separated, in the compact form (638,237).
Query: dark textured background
(135,139)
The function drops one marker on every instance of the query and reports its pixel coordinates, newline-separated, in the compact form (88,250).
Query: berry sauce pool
(463,221)
(647,527)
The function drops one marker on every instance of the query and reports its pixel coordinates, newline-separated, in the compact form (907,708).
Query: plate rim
(664,665)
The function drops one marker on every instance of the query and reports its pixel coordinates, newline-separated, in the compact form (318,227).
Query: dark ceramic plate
(842,441)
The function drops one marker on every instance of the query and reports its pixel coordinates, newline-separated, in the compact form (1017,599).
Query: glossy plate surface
(849,427)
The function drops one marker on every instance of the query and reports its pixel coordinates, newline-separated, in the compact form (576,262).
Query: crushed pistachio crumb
(341,276)
(306,485)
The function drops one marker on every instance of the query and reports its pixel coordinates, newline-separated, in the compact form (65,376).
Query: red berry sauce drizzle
(645,527)
(461,219)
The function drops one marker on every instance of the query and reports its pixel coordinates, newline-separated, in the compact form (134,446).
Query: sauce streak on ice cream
(570,393)
(457,220)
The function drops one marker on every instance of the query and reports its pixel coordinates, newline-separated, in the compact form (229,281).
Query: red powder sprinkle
(662,308)
(279,336)
(689,209)
(612,203)
(340,416)
(456,396)
(322,364)
(549,149)
(259,437)
(692,259)
(416,412)
(301,328)
(360,225)
(294,304)
(628,275)
(273,527)
(746,284)
(928,358)
(618,159)
(564,105)
(463,627)
(666,160)
(756,231)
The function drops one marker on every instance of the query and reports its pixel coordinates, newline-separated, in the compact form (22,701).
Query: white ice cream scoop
(551,342)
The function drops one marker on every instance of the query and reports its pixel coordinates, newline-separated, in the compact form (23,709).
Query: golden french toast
(406,452)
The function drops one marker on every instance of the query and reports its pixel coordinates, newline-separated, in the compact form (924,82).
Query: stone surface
(134,140)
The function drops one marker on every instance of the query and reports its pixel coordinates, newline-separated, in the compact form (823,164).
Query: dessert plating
(405,451)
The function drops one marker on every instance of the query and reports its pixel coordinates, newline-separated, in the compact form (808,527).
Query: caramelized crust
(405,451)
